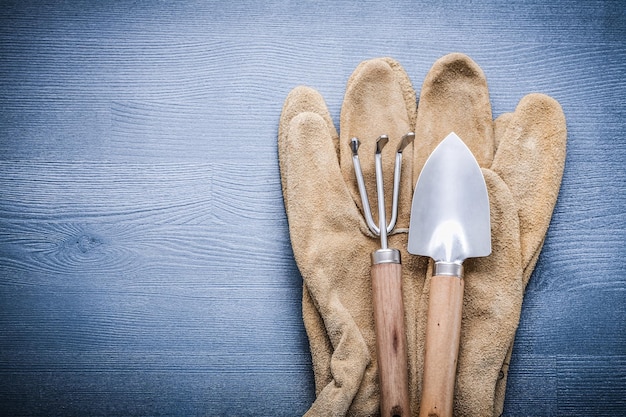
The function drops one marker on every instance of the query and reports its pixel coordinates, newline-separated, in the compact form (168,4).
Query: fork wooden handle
(390,339)
(443,333)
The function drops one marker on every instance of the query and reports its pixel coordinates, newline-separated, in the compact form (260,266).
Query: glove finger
(530,159)
(379,100)
(312,184)
(299,100)
(454,98)
(532,235)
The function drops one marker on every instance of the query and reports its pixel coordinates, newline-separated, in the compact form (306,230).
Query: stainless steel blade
(450,212)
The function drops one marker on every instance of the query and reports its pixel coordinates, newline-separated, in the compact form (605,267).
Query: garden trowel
(449,223)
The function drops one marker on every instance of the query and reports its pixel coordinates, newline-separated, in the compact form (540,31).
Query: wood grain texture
(145,262)
(391,344)
(441,346)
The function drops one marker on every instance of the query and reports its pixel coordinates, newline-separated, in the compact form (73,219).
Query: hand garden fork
(386,276)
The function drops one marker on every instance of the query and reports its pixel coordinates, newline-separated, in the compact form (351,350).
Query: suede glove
(522,154)
(330,239)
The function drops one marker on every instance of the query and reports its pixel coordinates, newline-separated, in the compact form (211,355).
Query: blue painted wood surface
(145,262)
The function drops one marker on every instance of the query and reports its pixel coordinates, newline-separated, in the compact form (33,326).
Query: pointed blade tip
(473,192)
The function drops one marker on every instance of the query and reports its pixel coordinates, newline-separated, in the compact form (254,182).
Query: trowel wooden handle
(390,339)
(443,333)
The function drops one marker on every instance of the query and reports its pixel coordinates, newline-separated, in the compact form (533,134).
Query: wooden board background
(145,262)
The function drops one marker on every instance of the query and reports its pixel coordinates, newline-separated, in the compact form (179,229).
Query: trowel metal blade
(450,212)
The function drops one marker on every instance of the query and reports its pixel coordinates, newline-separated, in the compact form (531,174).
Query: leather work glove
(522,155)
(330,239)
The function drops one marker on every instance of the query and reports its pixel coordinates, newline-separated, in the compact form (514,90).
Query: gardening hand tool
(449,223)
(386,274)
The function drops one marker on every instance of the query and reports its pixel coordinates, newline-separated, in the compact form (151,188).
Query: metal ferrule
(450,269)
(385,256)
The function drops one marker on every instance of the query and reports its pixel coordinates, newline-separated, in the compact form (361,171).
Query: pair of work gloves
(522,156)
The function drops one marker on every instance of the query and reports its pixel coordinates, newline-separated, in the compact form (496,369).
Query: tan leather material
(522,155)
